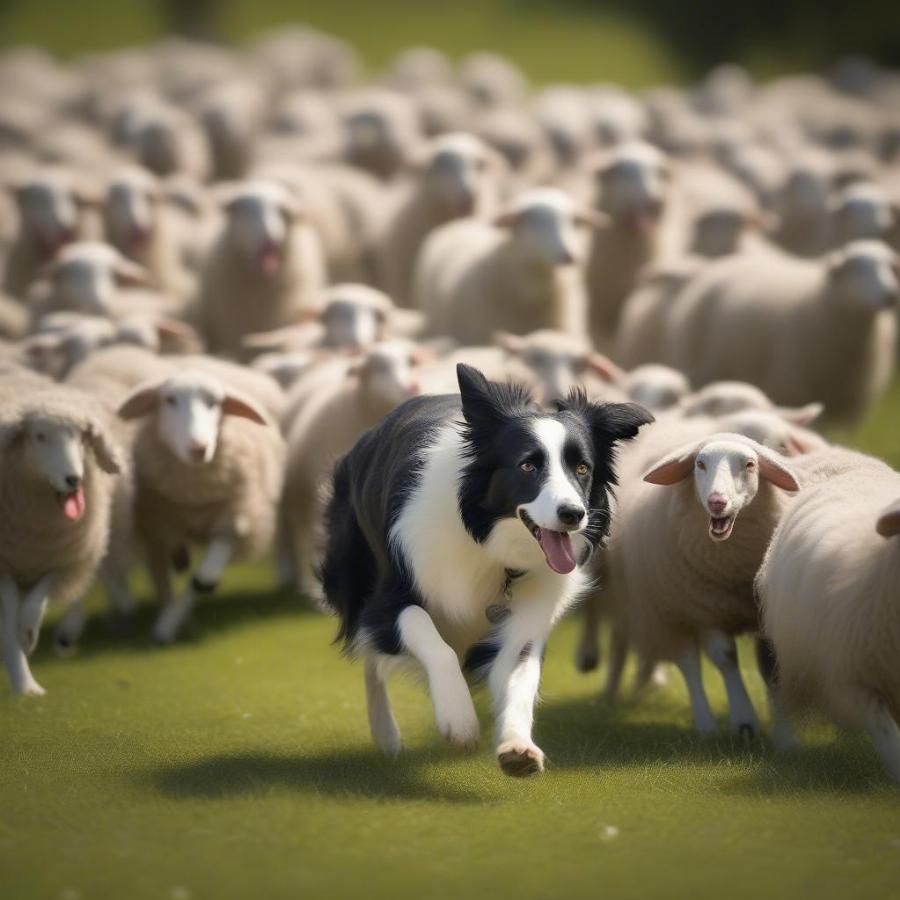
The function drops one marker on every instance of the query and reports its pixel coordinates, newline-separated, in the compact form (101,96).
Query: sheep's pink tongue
(557,547)
(73,505)
(270,260)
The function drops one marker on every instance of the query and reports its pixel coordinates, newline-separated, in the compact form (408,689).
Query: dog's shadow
(351,773)
(592,735)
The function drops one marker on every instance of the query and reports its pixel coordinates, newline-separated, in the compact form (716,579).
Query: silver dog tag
(497,613)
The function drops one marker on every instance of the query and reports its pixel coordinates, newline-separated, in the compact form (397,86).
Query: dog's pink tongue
(73,505)
(557,547)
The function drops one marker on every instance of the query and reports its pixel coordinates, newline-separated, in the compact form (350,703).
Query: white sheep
(683,557)
(325,428)
(208,467)
(55,500)
(828,593)
(457,175)
(264,269)
(800,330)
(520,274)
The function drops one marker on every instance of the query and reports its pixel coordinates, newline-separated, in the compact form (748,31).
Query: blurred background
(635,42)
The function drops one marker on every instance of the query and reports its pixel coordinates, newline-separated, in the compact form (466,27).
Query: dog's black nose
(570,515)
(73,481)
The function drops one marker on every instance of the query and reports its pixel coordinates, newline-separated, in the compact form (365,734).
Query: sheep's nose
(570,515)
(73,482)
(717,504)
(198,449)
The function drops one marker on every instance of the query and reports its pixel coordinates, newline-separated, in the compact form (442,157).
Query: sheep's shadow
(351,773)
(211,616)
(590,734)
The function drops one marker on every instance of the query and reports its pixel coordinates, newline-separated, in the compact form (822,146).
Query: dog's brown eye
(701,465)
(527,467)
(582,469)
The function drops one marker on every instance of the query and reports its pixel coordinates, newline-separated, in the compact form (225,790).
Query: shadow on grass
(353,773)
(594,735)
(212,615)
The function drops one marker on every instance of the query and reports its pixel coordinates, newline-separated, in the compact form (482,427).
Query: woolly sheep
(208,464)
(800,330)
(828,592)
(323,430)
(861,211)
(263,270)
(455,176)
(519,275)
(490,80)
(55,498)
(632,185)
(683,556)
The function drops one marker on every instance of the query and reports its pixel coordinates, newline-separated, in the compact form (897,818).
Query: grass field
(238,764)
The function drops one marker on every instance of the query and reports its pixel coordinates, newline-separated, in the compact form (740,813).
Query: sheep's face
(87,277)
(633,189)
(548,235)
(50,213)
(54,452)
(130,215)
(718,233)
(862,215)
(865,276)
(188,420)
(656,388)
(387,375)
(349,324)
(458,177)
(259,225)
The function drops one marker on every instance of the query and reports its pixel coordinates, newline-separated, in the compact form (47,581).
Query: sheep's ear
(511,343)
(605,368)
(776,472)
(107,454)
(142,401)
(675,467)
(243,407)
(175,328)
(802,442)
(130,273)
(800,415)
(888,524)
(590,218)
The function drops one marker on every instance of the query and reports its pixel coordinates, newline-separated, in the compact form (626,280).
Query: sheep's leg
(689,666)
(31,614)
(161,575)
(14,658)
(205,581)
(118,590)
(587,654)
(454,711)
(618,656)
(783,736)
(382,723)
(649,672)
(885,735)
(742,717)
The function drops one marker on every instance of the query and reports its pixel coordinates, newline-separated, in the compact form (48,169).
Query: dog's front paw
(520,758)
(456,718)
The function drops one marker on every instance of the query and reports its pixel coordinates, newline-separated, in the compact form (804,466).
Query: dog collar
(500,611)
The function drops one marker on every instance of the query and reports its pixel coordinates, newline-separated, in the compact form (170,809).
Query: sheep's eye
(701,465)
(582,469)
(751,464)
(527,467)
(40,437)
(171,401)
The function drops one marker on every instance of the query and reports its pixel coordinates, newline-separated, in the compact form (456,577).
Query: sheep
(682,559)
(632,185)
(721,398)
(324,429)
(519,274)
(828,591)
(206,471)
(141,221)
(167,141)
(492,81)
(54,210)
(56,459)
(801,204)
(456,176)
(264,268)
(87,277)
(231,115)
(861,211)
(14,319)
(520,141)
(800,330)
(349,316)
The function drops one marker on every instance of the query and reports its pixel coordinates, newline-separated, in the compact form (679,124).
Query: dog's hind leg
(382,724)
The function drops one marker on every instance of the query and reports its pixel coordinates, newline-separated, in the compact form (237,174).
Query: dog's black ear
(609,422)
(485,403)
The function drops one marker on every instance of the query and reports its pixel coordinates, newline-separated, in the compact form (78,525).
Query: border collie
(463,537)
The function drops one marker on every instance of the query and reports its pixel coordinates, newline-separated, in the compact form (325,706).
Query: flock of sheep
(221,267)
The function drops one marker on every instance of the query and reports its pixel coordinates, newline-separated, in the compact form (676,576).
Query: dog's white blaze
(557,490)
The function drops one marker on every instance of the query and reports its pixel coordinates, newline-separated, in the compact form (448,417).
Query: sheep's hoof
(520,759)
